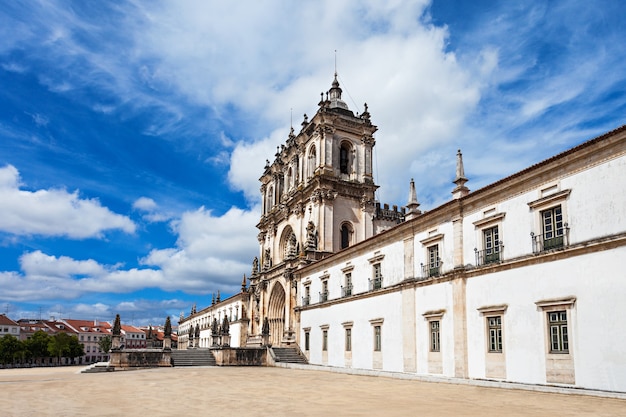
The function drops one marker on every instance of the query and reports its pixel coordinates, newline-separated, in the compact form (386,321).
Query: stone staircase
(193,357)
(289,355)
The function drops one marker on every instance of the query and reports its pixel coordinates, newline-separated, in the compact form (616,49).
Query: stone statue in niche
(267,260)
(311,237)
(255,266)
(292,246)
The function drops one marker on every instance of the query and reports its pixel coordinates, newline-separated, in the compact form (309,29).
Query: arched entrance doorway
(276,314)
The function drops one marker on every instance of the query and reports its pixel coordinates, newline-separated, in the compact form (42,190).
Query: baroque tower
(318,198)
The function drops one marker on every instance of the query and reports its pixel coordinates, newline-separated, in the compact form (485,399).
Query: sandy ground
(240,391)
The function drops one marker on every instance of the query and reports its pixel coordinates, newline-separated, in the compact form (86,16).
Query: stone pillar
(459,320)
(457,232)
(409,349)
(115,342)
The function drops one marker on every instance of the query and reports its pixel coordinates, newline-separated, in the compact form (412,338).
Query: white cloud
(144,204)
(150,209)
(53,212)
(209,248)
(39,264)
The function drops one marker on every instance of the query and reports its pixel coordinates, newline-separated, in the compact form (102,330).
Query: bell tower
(317,199)
(320,187)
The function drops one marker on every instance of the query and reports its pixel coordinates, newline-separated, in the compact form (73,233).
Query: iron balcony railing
(376,283)
(431,270)
(306,300)
(549,241)
(323,296)
(489,256)
(346,291)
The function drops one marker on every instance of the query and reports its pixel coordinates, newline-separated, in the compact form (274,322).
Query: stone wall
(240,356)
(140,358)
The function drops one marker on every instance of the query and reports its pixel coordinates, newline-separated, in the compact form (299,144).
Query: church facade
(521,280)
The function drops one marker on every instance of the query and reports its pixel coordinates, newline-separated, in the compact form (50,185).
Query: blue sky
(133,133)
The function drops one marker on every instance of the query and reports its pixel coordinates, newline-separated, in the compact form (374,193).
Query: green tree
(76,348)
(59,345)
(37,345)
(105,343)
(10,348)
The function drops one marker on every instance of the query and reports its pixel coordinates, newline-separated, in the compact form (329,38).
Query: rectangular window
(324,340)
(557,329)
(434,336)
(433,260)
(348,340)
(491,243)
(306,299)
(494,325)
(377,277)
(347,290)
(552,220)
(378,343)
(324,293)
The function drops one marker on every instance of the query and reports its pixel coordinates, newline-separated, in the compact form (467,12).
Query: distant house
(133,337)
(89,333)
(8,326)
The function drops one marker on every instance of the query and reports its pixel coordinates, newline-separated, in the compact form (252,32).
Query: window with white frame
(557,315)
(552,229)
(378,341)
(552,225)
(494,327)
(377,277)
(348,331)
(377,333)
(347,289)
(433,260)
(491,243)
(434,336)
(324,292)
(307,339)
(557,329)
(306,298)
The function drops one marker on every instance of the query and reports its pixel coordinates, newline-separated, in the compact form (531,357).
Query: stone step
(193,357)
(288,355)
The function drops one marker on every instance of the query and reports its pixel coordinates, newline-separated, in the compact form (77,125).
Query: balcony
(431,270)
(346,291)
(550,241)
(376,283)
(306,300)
(489,256)
(323,296)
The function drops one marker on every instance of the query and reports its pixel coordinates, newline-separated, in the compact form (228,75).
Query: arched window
(346,235)
(344,158)
(311,161)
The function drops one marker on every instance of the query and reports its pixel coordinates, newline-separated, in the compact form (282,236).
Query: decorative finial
(460,190)
(413,204)
(460,171)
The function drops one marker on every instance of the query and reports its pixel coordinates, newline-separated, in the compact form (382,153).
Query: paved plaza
(246,391)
